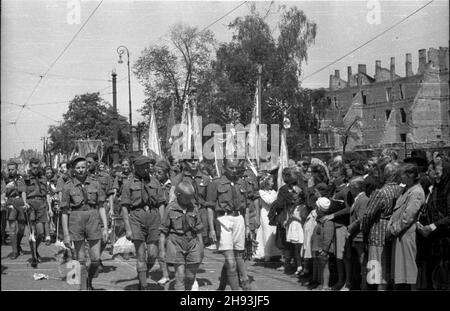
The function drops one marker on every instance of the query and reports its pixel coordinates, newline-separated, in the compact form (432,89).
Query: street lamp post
(121,50)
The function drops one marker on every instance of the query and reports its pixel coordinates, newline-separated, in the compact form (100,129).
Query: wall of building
(414,108)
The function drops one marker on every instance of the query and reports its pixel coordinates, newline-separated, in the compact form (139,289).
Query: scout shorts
(85,225)
(38,210)
(232,233)
(145,225)
(16,212)
(183,250)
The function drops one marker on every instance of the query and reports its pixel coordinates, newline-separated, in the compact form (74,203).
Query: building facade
(386,110)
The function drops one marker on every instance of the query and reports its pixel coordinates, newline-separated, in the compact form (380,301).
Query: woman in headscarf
(436,230)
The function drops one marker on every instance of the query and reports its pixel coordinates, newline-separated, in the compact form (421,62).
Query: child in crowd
(306,253)
(322,243)
(294,234)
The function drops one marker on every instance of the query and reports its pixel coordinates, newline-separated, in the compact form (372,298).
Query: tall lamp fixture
(120,51)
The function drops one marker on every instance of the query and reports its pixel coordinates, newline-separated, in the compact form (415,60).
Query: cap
(76,159)
(141,160)
(323,204)
(12,162)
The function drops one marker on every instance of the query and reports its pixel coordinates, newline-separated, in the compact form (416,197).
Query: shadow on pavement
(4,268)
(150,287)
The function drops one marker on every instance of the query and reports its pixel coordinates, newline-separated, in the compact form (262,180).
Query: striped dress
(374,225)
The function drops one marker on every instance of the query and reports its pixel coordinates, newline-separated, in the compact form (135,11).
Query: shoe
(34,263)
(145,287)
(345,288)
(313,285)
(211,247)
(337,286)
(281,268)
(48,240)
(246,285)
(195,286)
(326,288)
(163,281)
(13,256)
(299,271)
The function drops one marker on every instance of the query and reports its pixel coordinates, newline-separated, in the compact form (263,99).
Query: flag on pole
(170,124)
(253,136)
(197,134)
(144,147)
(283,158)
(153,137)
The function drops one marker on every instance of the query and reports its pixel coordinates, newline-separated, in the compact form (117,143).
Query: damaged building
(369,113)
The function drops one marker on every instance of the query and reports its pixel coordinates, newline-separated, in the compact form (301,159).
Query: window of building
(388,113)
(364,98)
(402,96)
(403,115)
(403,138)
(335,102)
(328,100)
(388,94)
(354,94)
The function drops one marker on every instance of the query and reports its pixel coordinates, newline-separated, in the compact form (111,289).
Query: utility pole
(115,152)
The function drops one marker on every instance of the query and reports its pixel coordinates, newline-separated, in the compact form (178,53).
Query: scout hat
(141,160)
(76,159)
(323,204)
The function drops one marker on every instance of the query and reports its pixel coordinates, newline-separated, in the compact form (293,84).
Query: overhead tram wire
(234,9)
(56,60)
(367,42)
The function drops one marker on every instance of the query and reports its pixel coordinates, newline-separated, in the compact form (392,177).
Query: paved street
(120,274)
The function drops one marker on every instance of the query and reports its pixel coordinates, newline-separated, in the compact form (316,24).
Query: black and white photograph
(254,146)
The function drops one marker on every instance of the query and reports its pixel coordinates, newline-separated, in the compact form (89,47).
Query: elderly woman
(265,235)
(401,228)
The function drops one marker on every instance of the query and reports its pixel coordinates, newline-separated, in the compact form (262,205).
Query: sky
(34,33)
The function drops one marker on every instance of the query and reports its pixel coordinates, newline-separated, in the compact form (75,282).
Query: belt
(230,213)
(83,208)
(36,198)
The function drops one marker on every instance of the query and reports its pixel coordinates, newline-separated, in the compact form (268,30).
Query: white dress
(265,235)
(294,233)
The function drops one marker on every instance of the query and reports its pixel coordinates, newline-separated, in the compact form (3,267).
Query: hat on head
(323,204)
(12,162)
(418,157)
(141,160)
(163,165)
(76,159)
(92,155)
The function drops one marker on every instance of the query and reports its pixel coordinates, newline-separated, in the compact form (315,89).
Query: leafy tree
(88,117)
(253,44)
(169,72)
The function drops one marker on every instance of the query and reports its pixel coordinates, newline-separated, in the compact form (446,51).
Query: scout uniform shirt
(181,222)
(136,195)
(13,190)
(78,196)
(156,191)
(36,186)
(200,183)
(227,196)
(106,182)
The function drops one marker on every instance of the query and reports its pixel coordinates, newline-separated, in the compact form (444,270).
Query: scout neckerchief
(234,196)
(83,192)
(37,184)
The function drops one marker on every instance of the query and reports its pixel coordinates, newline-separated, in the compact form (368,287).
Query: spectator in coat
(401,228)
(436,230)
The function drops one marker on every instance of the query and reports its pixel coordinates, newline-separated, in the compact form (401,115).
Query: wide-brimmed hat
(418,157)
